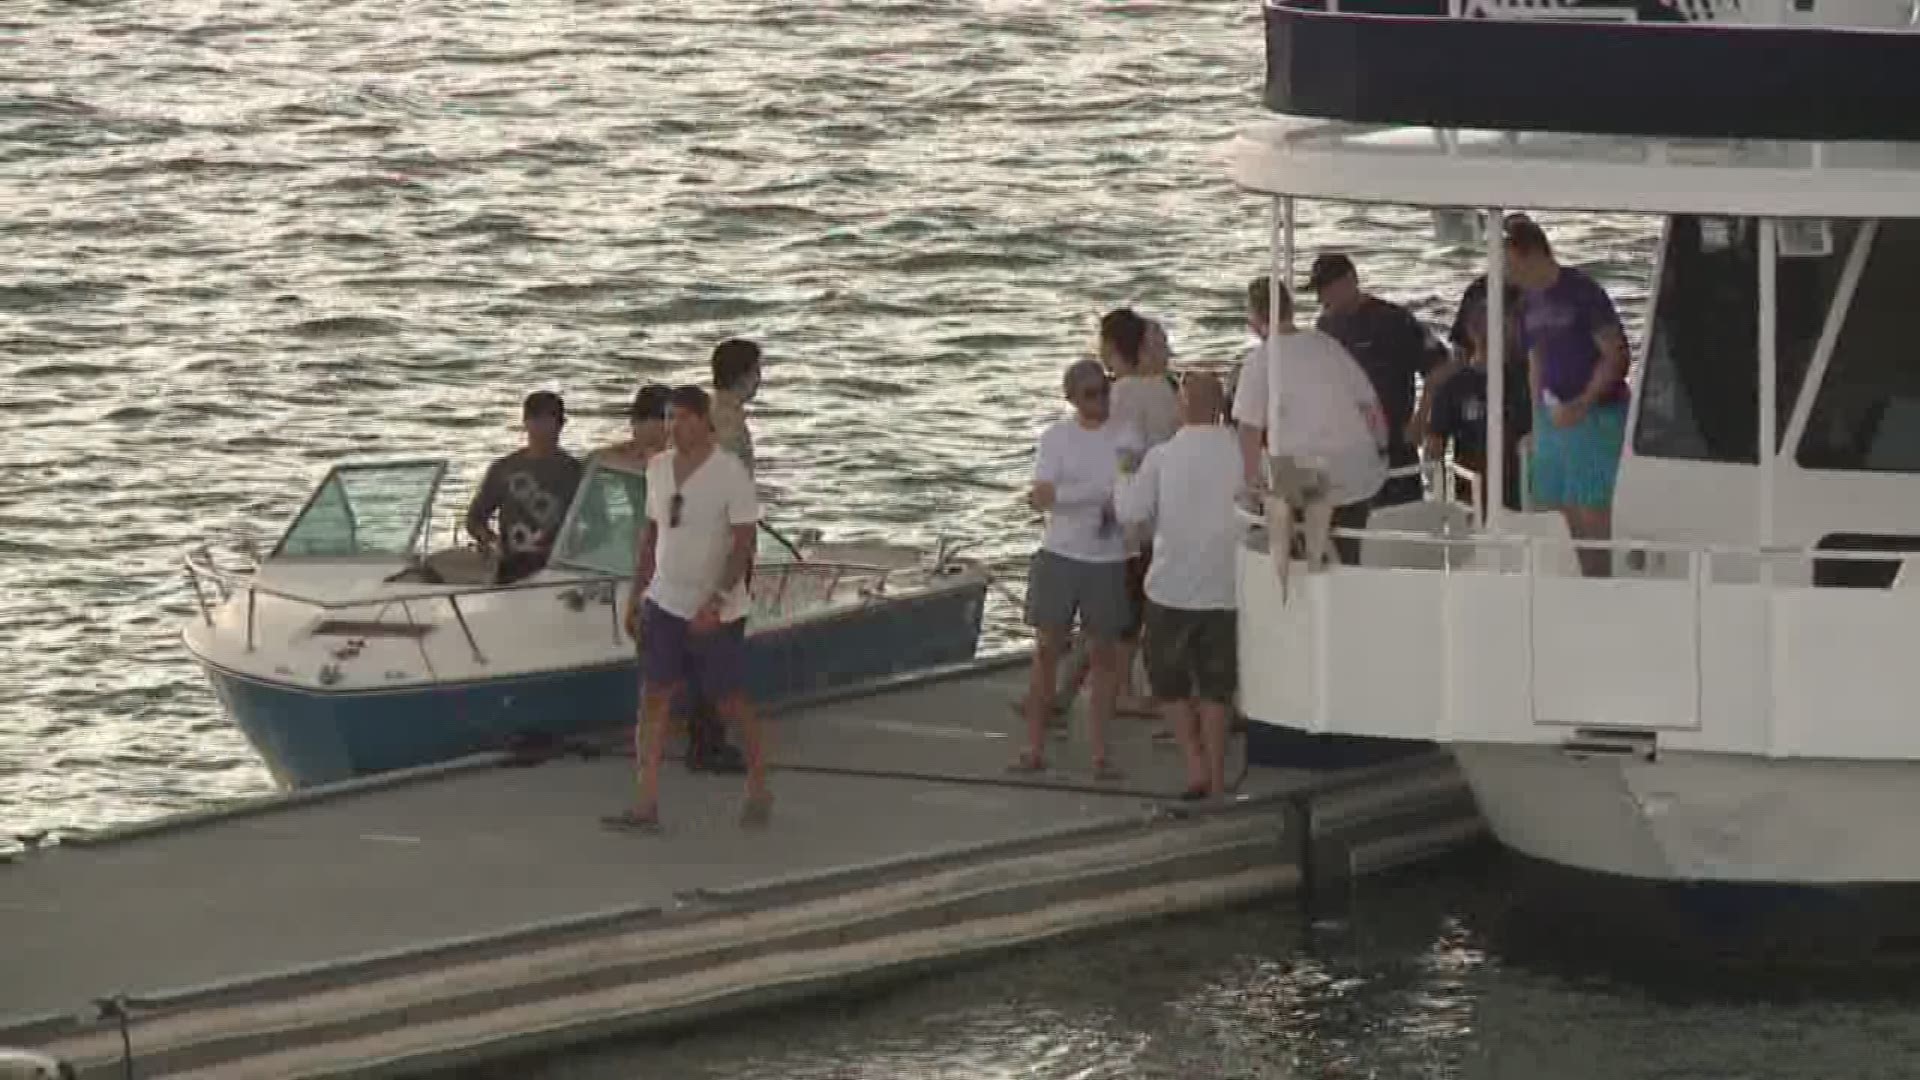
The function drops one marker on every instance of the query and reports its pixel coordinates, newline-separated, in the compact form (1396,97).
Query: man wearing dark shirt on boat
(1391,347)
(1460,412)
(528,490)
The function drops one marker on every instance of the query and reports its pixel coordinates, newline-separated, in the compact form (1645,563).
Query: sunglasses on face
(1092,393)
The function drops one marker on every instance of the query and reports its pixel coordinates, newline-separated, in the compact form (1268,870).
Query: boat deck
(334,878)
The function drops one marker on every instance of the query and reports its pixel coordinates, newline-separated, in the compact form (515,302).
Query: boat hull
(311,736)
(1683,816)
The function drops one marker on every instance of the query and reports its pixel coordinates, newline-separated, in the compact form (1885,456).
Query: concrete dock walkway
(416,922)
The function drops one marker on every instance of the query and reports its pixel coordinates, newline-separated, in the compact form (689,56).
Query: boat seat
(458,566)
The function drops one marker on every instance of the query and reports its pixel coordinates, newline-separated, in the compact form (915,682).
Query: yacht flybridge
(1737,702)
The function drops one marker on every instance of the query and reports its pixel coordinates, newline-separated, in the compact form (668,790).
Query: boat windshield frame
(422,520)
(596,463)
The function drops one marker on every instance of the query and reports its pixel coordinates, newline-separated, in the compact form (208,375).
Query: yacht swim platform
(422,921)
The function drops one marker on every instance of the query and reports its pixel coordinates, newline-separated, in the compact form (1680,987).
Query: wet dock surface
(487,849)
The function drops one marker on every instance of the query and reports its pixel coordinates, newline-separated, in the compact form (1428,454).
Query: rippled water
(1420,982)
(243,239)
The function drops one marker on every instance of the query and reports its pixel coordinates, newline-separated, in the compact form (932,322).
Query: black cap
(691,398)
(1327,269)
(543,403)
(650,403)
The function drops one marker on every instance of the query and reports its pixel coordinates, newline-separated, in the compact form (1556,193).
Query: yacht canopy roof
(1432,167)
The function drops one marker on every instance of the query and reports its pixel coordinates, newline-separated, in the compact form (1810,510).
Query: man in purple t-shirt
(1577,373)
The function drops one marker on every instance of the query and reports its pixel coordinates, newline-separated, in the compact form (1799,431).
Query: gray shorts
(1058,588)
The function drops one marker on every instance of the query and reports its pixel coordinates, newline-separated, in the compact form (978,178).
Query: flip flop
(633,821)
(1193,794)
(1028,764)
(1105,773)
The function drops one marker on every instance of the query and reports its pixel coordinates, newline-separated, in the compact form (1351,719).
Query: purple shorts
(672,656)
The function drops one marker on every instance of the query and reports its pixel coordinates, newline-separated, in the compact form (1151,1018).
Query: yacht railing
(1738,647)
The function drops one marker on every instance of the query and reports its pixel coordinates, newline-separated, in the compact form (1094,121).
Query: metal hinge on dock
(1612,742)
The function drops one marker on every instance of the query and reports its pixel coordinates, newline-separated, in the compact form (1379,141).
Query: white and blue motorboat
(355,647)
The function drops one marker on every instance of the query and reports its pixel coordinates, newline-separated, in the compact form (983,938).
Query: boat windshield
(368,510)
(603,524)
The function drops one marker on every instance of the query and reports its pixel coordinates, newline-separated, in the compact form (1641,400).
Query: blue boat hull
(312,737)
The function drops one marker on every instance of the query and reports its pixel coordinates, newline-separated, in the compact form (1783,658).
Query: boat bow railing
(773,587)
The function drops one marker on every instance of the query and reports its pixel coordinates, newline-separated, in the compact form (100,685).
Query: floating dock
(415,923)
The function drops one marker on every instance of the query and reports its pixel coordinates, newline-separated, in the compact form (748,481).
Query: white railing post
(1768,451)
(1495,497)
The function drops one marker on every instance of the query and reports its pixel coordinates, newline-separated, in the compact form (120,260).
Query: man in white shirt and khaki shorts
(1325,433)
(1080,569)
(1186,487)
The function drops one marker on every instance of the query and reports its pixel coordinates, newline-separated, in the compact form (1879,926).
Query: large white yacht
(1732,703)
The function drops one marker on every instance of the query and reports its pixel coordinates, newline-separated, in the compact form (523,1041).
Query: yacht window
(603,527)
(1703,346)
(1866,415)
(365,511)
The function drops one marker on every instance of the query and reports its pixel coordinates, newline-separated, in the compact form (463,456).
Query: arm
(643,560)
(486,500)
(743,514)
(1612,342)
(1137,498)
(645,547)
(739,558)
(1250,437)
(1437,364)
(1250,403)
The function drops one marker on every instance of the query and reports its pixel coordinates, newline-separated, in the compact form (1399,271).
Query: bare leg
(1186,728)
(1048,643)
(1128,700)
(1280,539)
(1317,530)
(736,709)
(1591,523)
(650,745)
(1213,735)
(1106,688)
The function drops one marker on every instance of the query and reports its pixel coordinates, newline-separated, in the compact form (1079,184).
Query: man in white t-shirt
(688,607)
(1325,434)
(1186,487)
(1080,569)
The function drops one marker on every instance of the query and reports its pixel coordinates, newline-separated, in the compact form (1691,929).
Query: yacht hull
(309,736)
(1701,817)
(1757,860)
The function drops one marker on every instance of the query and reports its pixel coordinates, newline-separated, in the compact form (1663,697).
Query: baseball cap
(543,403)
(650,403)
(1082,373)
(1327,269)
